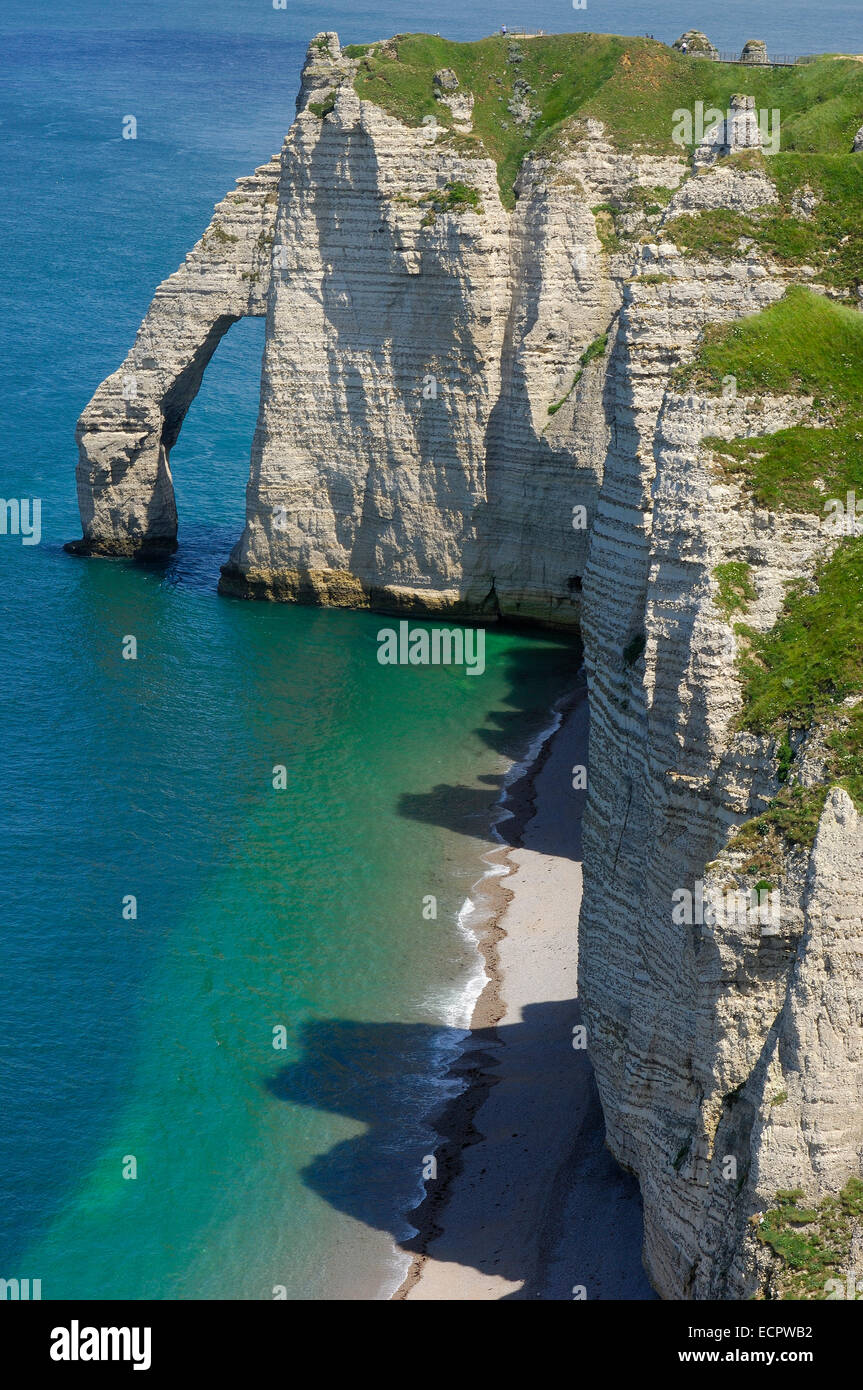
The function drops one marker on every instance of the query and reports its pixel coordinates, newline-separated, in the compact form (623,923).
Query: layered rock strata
(126,433)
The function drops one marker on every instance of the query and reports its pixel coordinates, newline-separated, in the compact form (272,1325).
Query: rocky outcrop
(126,433)
(738,130)
(755,53)
(421,372)
(696,44)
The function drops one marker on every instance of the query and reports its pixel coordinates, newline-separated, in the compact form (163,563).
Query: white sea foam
(456,1006)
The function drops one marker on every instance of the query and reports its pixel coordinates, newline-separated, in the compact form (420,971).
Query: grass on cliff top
(561,72)
(812,658)
(634,85)
(804,344)
(819,103)
(831,240)
(812,1244)
(798,674)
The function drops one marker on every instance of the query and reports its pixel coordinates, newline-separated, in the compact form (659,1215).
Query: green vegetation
(323,108)
(650,200)
(820,103)
(606,228)
(596,349)
(560,73)
(679,1158)
(804,344)
(453,197)
(634,85)
(797,676)
(780,1098)
(790,821)
(813,657)
(830,240)
(784,757)
(736,590)
(846,754)
(812,1244)
(650,280)
(216,233)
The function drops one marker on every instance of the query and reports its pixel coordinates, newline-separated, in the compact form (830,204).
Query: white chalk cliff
(405,459)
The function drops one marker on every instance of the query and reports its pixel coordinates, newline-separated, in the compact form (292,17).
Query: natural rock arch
(126,433)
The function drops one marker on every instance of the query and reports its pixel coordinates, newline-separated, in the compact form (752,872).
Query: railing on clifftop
(779,60)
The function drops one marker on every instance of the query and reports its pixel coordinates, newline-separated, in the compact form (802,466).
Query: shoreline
(495,1221)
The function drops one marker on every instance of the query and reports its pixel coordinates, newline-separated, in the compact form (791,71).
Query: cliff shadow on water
(543,1210)
(506,732)
(590,1198)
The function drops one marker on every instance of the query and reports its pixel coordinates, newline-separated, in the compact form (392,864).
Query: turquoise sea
(149,1037)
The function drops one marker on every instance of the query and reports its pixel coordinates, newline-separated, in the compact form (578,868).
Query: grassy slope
(831,240)
(798,674)
(634,85)
(820,103)
(805,344)
(812,1244)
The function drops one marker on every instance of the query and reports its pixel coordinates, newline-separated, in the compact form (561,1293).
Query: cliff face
(698,1029)
(404,456)
(473,410)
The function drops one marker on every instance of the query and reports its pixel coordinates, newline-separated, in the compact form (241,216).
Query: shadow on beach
(551,671)
(510,1188)
(532,1219)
